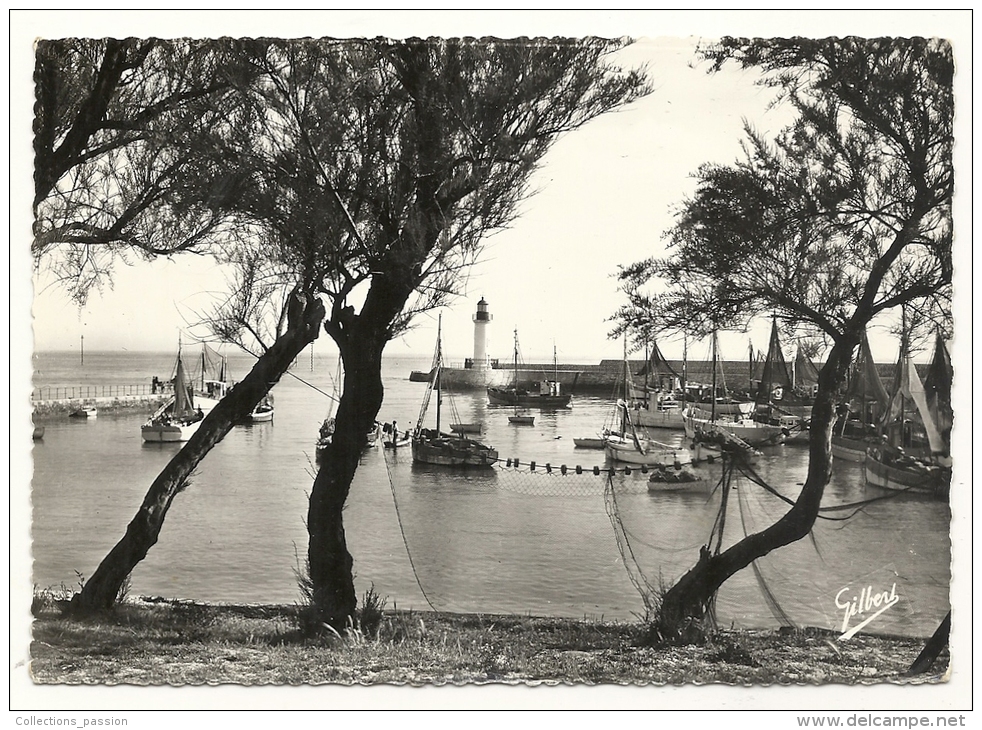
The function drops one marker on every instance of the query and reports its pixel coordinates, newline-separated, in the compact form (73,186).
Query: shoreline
(152,641)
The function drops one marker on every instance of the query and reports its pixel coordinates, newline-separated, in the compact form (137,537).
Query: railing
(73,392)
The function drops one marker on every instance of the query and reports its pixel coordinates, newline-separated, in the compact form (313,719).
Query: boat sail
(431,446)
(913,455)
(626,445)
(776,402)
(866,401)
(179,418)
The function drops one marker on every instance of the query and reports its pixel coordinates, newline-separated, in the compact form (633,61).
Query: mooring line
(405,542)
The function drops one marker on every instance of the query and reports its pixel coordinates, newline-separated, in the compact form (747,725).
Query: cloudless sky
(603,198)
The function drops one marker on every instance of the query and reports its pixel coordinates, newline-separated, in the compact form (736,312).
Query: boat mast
(515,358)
(713,411)
(439,362)
(685,365)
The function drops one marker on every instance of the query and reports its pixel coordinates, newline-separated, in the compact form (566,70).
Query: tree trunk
(100,591)
(329,563)
(686,603)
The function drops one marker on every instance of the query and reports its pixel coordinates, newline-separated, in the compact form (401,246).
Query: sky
(603,197)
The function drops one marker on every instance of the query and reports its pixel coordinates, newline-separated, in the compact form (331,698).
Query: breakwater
(605,378)
(602,379)
(52,409)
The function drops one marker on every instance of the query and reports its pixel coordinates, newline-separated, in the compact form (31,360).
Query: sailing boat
(521,417)
(178,419)
(548,395)
(701,425)
(776,402)
(866,400)
(625,445)
(667,411)
(430,445)
(914,455)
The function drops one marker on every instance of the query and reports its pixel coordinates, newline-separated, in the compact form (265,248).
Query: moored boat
(544,394)
(178,419)
(432,446)
(590,443)
(865,402)
(914,452)
(263,412)
(684,479)
(467,427)
(85,412)
(521,419)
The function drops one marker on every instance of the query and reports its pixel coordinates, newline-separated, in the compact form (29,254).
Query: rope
(402,531)
(769,598)
(857,507)
(635,575)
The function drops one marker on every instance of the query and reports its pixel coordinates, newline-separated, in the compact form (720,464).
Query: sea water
(500,540)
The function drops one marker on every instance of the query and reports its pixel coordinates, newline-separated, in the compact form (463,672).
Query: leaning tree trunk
(101,589)
(688,601)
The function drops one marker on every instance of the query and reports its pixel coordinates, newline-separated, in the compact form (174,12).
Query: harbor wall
(606,377)
(48,410)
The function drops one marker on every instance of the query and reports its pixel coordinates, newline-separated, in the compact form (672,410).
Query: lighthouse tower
(481,320)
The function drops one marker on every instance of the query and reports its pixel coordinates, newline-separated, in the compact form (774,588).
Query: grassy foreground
(156,641)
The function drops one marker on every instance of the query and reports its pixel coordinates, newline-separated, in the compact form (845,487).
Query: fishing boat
(866,400)
(700,423)
(776,402)
(521,417)
(85,412)
(546,393)
(431,445)
(658,406)
(215,384)
(179,418)
(914,452)
(626,445)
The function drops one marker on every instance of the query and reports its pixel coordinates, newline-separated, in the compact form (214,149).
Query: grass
(157,641)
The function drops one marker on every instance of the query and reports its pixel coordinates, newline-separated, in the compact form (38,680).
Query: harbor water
(501,540)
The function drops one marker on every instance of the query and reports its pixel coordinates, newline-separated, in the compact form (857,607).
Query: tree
(367,174)
(844,217)
(121,132)
(401,157)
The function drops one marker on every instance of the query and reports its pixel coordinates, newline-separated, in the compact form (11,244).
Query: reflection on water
(487,540)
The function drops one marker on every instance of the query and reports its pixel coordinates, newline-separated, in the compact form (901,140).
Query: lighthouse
(481,320)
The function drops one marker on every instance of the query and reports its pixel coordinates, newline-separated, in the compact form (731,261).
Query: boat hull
(168,433)
(932,479)
(847,449)
(589,443)
(626,451)
(752,433)
(451,451)
(671,418)
(466,427)
(508,397)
